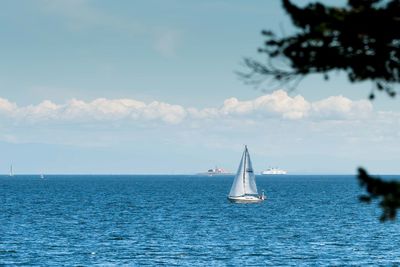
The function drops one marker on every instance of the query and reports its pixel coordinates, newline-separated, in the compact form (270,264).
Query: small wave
(11,251)
(117,238)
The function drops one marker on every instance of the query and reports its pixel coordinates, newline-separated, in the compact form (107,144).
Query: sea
(182,220)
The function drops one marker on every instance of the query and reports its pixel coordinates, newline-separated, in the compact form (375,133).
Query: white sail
(250,178)
(245,181)
(237,188)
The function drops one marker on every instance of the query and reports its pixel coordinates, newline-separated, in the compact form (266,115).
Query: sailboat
(244,188)
(11,171)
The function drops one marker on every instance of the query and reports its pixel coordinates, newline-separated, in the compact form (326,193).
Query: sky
(140,87)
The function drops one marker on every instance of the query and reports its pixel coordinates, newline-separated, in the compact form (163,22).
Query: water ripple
(186,220)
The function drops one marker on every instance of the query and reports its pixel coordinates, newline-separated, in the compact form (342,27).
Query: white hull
(215,174)
(274,171)
(246,199)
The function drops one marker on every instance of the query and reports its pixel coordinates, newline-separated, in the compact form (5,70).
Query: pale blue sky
(183,55)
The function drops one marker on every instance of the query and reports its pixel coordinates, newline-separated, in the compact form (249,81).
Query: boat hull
(214,174)
(246,199)
(274,171)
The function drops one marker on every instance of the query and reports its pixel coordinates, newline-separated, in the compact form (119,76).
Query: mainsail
(245,180)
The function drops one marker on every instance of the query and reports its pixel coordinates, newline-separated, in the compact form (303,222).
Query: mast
(244,170)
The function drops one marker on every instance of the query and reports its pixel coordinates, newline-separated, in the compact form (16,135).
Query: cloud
(100,109)
(6,106)
(339,107)
(166,112)
(279,104)
(275,105)
(273,125)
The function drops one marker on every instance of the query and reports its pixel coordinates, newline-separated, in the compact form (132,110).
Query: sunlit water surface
(187,220)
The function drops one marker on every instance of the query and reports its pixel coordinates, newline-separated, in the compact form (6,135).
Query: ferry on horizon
(215,171)
(274,171)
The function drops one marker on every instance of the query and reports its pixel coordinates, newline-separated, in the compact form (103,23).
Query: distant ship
(216,171)
(273,171)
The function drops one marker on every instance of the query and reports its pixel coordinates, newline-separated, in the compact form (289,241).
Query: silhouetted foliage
(388,192)
(361,39)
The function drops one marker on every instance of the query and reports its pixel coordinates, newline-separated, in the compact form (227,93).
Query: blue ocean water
(187,220)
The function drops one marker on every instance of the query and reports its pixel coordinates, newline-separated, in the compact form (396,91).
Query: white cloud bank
(333,134)
(277,104)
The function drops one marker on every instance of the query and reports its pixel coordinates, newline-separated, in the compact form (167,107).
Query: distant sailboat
(11,171)
(244,188)
(41,176)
